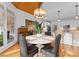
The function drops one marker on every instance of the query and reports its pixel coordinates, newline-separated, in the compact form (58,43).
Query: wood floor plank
(13,51)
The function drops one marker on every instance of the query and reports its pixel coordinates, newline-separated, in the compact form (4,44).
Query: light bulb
(40,13)
(58,20)
(76,17)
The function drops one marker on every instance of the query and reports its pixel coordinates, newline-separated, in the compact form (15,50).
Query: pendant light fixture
(76,17)
(40,12)
(58,15)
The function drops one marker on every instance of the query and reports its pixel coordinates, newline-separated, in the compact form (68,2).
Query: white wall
(12,8)
(21,16)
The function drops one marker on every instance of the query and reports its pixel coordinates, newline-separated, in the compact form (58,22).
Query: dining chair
(25,50)
(49,34)
(53,52)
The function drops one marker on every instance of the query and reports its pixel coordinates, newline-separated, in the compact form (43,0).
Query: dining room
(40,29)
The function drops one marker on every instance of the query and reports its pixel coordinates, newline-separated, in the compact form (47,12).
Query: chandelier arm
(40,13)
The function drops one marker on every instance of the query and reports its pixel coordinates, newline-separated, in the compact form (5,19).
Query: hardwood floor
(14,51)
(69,51)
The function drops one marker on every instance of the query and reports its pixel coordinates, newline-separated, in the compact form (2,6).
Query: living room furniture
(25,49)
(23,31)
(53,52)
(39,40)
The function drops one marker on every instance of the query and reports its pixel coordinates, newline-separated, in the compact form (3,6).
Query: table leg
(39,54)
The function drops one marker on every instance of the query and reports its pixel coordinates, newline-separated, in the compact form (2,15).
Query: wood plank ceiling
(28,7)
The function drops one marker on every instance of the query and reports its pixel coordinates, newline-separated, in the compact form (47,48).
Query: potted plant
(38,28)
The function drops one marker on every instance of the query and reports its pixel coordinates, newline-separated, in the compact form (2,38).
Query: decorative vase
(39,35)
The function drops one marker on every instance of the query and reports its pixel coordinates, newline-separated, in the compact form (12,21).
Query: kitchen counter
(75,35)
(67,50)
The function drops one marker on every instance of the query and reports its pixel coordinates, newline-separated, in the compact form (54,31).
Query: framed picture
(29,24)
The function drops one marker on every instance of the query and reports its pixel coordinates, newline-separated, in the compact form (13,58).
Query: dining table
(39,40)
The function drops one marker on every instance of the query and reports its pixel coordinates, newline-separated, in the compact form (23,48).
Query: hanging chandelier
(40,12)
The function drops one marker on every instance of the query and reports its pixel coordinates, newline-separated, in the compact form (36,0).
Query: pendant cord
(58,14)
(76,10)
